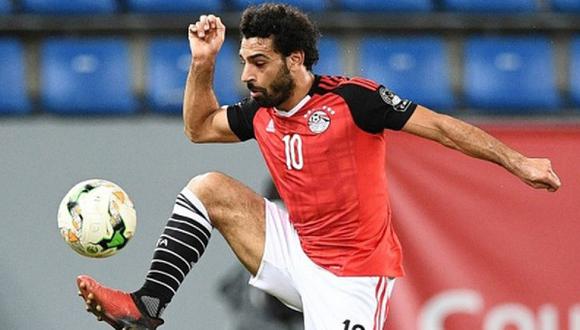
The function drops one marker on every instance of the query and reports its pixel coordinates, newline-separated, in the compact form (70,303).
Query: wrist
(202,61)
(516,163)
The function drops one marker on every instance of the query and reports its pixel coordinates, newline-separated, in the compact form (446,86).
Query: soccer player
(334,255)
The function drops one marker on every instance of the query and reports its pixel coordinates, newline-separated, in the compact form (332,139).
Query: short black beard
(281,89)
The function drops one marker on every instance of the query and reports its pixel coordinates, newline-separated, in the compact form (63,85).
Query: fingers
(554,180)
(205,25)
(550,182)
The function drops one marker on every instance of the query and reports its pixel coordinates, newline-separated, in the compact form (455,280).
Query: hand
(538,173)
(206,37)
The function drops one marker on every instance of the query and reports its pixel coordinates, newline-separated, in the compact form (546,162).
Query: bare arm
(472,141)
(203,118)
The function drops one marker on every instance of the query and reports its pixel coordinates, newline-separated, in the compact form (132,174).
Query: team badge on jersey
(393,100)
(319,120)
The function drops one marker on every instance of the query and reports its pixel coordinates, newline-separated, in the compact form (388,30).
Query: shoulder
(241,117)
(373,106)
(246,105)
(358,83)
(345,86)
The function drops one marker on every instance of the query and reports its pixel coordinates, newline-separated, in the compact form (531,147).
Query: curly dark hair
(290,28)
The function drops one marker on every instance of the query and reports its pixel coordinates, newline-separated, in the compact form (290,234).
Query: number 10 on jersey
(293,151)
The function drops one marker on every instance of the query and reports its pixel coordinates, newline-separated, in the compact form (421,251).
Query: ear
(295,60)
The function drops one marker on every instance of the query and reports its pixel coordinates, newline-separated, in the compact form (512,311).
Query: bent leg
(237,212)
(210,200)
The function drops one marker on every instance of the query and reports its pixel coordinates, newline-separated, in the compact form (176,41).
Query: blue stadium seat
(86,76)
(414,68)
(510,74)
(5,6)
(511,6)
(70,6)
(307,5)
(331,57)
(384,5)
(174,5)
(227,74)
(575,71)
(13,97)
(169,61)
(566,5)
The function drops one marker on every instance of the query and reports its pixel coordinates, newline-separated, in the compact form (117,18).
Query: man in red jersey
(334,255)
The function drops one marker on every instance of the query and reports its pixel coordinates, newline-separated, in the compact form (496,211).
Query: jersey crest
(319,119)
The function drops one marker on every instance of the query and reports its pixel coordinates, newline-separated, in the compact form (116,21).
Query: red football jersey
(327,160)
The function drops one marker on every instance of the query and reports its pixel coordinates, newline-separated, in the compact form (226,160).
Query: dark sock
(179,247)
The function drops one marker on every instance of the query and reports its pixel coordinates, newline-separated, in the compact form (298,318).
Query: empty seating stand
(510,75)
(176,6)
(5,7)
(575,71)
(168,64)
(331,60)
(414,68)
(506,6)
(86,76)
(307,5)
(566,5)
(13,96)
(386,6)
(70,7)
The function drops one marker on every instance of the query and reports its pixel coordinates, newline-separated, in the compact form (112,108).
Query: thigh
(275,275)
(237,212)
(331,302)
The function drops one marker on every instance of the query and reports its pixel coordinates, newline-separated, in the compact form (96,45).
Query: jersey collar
(294,110)
(301,103)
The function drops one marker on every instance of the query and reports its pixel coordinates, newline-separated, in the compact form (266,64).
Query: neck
(304,81)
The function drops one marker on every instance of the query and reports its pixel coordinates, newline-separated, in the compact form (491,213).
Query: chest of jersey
(314,140)
(313,156)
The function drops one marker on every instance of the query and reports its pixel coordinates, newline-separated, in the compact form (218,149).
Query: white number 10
(293,149)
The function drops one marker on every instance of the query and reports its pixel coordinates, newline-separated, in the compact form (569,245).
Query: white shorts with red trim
(329,302)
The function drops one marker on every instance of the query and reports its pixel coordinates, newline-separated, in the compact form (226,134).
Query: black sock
(179,247)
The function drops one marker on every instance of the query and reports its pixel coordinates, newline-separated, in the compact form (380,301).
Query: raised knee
(205,185)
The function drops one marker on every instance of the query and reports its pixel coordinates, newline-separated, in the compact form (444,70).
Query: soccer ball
(96,218)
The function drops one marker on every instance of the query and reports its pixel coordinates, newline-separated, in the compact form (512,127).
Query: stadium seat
(169,61)
(13,96)
(86,76)
(174,5)
(307,5)
(510,74)
(575,72)
(414,68)
(331,57)
(566,5)
(70,6)
(511,6)
(5,6)
(383,5)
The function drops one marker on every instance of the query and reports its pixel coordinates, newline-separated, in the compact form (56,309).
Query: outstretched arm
(203,118)
(472,141)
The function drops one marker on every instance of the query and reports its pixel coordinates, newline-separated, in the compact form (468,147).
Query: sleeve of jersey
(241,118)
(374,110)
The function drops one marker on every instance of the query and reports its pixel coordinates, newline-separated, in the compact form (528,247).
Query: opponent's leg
(213,199)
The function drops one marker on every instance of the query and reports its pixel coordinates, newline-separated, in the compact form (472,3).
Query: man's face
(265,72)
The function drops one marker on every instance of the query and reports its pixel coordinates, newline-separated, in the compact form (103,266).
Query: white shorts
(329,302)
